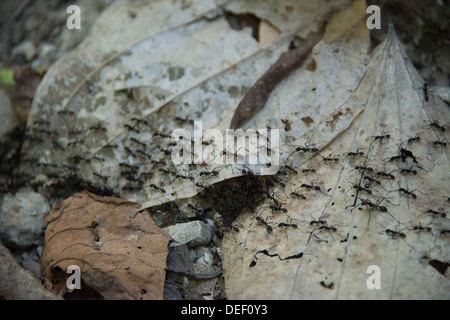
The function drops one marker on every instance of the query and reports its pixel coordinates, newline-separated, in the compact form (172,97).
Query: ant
(409,193)
(277,208)
(330,159)
(161,134)
(437,213)
(184,177)
(286,225)
(420,228)
(138,142)
(144,153)
(439,143)
(308,170)
(327,286)
(444,232)
(354,154)
(364,167)
(290,168)
(129,127)
(395,233)
(386,175)
(436,125)
(212,173)
(310,187)
(295,194)
(268,227)
(409,170)
(425,88)
(276,180)
(370,179)
(366,202)
(100,176)
(359,188)
(158,188)
(306,149)
(320,221)
(328,228)
(270,196)
(381,137)
(411,140)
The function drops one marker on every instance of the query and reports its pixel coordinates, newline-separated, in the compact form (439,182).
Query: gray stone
(192,233)
(22,218)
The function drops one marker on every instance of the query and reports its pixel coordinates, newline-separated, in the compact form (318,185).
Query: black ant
(411,140)
(158,188)
(328,228)
(209,173)
(425,88)
(364,167)
(420,228)
(306,149)
(436,125)
(320,221)
(295,194)
(381,137)
(395,233)
(148,155)
(138,142)
(270,196)
(386,175)
(409,193)
(290,168)
(327,286)
(370,179)
(439,143)
(310,187)
(437,213)
(100,176)
(359,188)
(161,134)
(286,225)
(330,159)
(308,170)
(129,127)
(354,154)
(366,202)
(98,127)
(268,227)
(276,180)
(444,232)
(184,177)
(277,208)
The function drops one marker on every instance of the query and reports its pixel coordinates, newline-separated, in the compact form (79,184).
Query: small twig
(257,96)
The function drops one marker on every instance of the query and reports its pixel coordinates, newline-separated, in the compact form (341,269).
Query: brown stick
(257,96)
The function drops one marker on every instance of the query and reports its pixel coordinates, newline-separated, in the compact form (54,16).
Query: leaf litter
(115,109)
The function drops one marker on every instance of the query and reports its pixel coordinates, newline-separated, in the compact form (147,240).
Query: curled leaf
(121,254)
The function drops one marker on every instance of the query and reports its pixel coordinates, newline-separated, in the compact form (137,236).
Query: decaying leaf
(376,195)
(121,254)
(104,113)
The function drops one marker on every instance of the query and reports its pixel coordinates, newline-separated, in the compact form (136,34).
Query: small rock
(192,233)
(22,218)
(26,49)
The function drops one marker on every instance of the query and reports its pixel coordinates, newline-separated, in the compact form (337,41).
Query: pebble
(192,233)
(22,221)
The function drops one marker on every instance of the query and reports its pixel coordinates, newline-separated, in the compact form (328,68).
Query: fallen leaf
(104,113)
(377,197)
(121,254)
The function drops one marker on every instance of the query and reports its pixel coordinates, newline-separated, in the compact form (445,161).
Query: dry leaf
(121,254)
(104,113)
(386,207)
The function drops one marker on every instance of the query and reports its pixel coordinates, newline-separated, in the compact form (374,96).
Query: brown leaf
(121,253)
